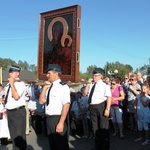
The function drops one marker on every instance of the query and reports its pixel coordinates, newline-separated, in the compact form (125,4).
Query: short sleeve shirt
(101,92)
(131,95)
(59,96)
(11,102)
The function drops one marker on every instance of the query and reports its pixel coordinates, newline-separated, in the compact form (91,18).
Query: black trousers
(57,141)
(17,128)
(36,121)
(100,125)
(39,124)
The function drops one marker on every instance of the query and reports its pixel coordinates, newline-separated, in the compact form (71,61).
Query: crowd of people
(88,110)
(129,107)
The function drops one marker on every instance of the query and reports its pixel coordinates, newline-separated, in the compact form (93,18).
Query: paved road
(40,143)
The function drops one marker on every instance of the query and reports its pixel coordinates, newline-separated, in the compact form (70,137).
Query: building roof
(28,76)
(25,75)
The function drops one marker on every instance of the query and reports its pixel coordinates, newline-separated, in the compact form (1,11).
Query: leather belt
(51,116)
(16,108)
(97,104)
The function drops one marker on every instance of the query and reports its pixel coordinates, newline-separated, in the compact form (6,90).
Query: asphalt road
(40,142)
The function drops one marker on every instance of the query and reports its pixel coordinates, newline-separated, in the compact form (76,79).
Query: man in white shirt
(15,105)
(99,105)
(57,102)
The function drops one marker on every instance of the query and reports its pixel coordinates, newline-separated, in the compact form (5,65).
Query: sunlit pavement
(40,142)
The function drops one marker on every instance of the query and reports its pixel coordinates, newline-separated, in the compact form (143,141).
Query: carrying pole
(0,75)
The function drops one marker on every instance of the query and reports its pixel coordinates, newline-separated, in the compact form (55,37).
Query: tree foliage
(122,69)
(144,69)
(90,69)
(7,62)
(148,70)
(88,73)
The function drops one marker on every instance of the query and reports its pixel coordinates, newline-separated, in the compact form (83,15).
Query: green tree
(6,63)
(89,72)
(33,68)
(144,69)
(122,69)
(90,69)
(24,65)
(148,70)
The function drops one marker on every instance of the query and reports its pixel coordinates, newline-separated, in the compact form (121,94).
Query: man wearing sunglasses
(99,105)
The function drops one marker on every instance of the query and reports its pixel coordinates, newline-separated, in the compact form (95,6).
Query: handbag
(120,102)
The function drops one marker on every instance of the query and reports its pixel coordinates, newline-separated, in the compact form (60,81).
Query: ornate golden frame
(68,21)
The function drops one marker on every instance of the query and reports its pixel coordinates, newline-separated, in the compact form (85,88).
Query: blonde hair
(146,85)
(134,76)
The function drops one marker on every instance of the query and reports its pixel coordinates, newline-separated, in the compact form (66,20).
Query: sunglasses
(131,79)
(113,83)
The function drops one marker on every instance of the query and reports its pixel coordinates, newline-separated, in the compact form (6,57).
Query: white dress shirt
(59,95)
(11,102)
(101,92)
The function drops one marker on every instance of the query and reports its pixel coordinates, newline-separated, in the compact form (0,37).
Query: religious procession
(97,111)
(65,111)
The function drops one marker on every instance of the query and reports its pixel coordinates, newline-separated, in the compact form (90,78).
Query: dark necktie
(47,100)
(91,93)
(6,97)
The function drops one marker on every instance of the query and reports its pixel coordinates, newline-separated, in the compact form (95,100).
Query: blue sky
(111,30)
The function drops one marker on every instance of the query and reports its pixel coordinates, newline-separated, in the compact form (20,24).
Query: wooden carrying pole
(0,75)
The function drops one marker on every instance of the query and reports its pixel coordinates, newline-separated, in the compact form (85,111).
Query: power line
(119,50)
